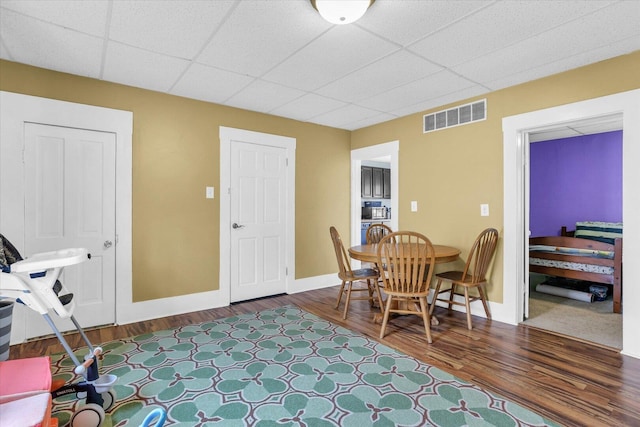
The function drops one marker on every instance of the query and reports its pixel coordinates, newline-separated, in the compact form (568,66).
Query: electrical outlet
(210,193)
(484,210)
(414,206)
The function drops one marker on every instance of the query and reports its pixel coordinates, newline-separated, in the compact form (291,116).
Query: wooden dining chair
(348,276)
(473,275)
(376,232)
(408,256)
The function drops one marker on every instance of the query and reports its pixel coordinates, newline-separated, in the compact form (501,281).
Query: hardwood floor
(570,382)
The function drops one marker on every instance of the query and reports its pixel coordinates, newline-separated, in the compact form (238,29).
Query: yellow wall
(176,154)
(452,171)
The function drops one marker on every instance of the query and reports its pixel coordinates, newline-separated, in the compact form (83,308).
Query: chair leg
(371,292)
(484,301)
(466,303)
(435,297)
(452,292)
(346,304)
(425,318)
(385,318)
(340,295)
(378,295)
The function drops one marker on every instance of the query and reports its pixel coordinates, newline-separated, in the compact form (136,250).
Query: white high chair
(34,283)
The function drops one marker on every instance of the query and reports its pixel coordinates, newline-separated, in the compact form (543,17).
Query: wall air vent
(456,116)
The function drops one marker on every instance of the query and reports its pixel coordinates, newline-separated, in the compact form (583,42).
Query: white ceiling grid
(280,57)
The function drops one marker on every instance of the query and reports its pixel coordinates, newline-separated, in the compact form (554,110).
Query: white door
(70,202)
(258,220)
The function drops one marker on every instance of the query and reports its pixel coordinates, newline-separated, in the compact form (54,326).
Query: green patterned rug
(283,367)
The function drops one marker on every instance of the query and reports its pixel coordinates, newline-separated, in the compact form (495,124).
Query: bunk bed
(592,252)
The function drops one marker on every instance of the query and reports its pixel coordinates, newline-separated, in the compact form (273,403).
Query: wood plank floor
(570,382)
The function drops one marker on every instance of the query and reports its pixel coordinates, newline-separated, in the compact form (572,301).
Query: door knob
(235,225)
(107,244)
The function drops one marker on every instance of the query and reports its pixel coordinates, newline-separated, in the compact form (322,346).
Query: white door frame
(17,109)
(515,207)
(390,149)
(227,135)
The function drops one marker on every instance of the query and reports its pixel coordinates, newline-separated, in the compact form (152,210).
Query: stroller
(34,283)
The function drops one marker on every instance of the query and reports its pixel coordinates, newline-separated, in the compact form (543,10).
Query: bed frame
(566,241)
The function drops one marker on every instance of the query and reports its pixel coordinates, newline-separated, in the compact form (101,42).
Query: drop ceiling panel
(176,28)
(567,63)
(496,27)
(369,121)
(209,84)
(562,132)
(44,45)
(600,128)
(417,18)
(392,71)
(308,106)
(89,17)
(252,42)
(612,24)
(339,51)
(433,86)
(263,96)
(344,115)
(589,126)
(141,68)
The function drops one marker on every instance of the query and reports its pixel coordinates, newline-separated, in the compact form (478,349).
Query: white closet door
(70,202)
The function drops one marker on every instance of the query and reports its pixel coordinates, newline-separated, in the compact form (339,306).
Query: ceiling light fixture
(341,11)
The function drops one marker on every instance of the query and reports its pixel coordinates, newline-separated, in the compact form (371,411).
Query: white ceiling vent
(456,116)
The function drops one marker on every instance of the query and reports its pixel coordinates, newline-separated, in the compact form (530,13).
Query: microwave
(369,212)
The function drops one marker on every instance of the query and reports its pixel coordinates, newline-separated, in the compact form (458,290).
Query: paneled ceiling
(280,57)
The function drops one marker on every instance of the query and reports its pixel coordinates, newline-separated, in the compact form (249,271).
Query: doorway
(516,130)
(389,153)
(257,222)
(575,176)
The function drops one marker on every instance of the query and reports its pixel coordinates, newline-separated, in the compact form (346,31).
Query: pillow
(605,232)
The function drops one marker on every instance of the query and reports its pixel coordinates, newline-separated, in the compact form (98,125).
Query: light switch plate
(414,206)
(210,193)
(484,209)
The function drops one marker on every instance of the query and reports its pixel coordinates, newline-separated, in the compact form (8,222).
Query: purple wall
(575,179)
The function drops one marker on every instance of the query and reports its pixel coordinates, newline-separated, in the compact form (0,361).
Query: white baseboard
(316,282)
(497,309)
(153,309)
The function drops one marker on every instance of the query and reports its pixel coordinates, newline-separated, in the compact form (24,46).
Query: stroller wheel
(90,415)
(108,398)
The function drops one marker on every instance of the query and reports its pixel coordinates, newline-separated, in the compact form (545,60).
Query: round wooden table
(369,253)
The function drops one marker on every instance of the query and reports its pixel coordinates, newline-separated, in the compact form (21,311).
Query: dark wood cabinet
(366,183)
(386,183)
(375,183)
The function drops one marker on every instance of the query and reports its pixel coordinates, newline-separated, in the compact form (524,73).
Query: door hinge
(286,271)
(286,161)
